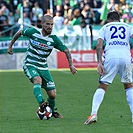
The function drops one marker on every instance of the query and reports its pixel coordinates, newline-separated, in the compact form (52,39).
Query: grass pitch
(74,97)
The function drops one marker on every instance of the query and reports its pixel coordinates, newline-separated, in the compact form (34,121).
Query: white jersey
(117,36)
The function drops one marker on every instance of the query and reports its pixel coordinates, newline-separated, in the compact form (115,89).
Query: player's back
(117,37)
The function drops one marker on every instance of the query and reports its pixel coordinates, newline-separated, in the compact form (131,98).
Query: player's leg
(126,79)
(96,102)
(49,85)
(98,98)
(37,80)
(33,75)
(129,96)
(51,100)
(110,72)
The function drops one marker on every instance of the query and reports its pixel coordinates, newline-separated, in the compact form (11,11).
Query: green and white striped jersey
(40,47)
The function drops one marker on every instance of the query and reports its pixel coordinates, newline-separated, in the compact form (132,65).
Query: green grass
(74,97)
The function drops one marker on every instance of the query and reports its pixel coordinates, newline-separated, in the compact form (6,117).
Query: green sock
(51,103)
(37,93)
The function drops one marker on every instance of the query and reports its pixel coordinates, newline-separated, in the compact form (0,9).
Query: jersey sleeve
(27,32)
(58,44)
(101,33)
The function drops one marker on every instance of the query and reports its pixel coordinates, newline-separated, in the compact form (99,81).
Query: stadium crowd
(65,12)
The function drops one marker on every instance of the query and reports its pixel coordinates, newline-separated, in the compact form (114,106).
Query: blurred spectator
(94,4)
(58,20)
(82,3)
(4,25)
(60,9)
(14,4)
(97,4)
(78,18)
(66,2)
(38,24)
(66,7)
(11,19)
(4,9)
(27,8)
(126,16)
(118,8)
(6,3)
(25,22)
(36,12)
(17,15)
(48,12)
(47,6)
(131,14)
(2,19)
(32,2)
(123,2)
(88,14)
(12,22)
(112,5)
(67,20)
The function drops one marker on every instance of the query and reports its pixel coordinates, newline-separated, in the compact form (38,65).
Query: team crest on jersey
(48,43)
(33,71)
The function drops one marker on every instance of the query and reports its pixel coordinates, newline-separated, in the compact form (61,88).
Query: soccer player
(35,67)
(117,60)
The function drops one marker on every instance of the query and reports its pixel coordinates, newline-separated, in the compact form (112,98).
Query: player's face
(47,26)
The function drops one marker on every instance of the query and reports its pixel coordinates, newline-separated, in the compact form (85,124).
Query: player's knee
(52,97)
(129,85)
(52,94)
(37,79)
(103,86)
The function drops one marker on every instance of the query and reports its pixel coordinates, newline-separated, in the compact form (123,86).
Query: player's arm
(15,37)
(69,58)
(99,50)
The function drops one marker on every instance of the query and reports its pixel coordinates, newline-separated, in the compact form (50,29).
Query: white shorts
(117,66)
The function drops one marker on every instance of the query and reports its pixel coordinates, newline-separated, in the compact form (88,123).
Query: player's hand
(73,70)
(10,50)
(100,69)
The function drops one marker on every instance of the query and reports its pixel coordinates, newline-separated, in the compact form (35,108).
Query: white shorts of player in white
(113,67)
